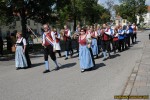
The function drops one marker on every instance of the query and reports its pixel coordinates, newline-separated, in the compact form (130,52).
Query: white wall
(33,25)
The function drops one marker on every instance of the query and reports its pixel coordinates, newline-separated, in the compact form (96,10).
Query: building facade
(16,26)
(147,16)
(120,21)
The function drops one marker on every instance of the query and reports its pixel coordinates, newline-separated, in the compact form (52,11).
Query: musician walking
(48,42)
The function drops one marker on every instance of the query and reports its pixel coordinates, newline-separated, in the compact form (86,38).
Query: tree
(4,13)
(130,8)
(88,11)
(38,10)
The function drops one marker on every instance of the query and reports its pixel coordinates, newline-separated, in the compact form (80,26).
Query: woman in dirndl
(94,45)
(20,59)
(85,52)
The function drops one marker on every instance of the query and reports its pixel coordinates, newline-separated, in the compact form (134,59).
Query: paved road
(108,79)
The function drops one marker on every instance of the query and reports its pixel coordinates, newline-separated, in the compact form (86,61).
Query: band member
(125,37)
(76,37)
(105,35)
(130,29)
(68,44)
(87,29)
(128,34)
(94,45)
(85,54)
(111,36)
(48,42)
(115,40)
(134,36)
(121,33)
(20,58)
(57,42)
(98,38)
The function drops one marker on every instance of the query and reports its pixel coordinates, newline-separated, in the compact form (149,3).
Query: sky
(117,2)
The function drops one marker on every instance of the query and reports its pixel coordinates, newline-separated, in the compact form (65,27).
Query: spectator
(1,45)
(20,58)
(9,42)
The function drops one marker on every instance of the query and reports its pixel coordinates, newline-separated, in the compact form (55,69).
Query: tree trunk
(74,15)
(74,22)
(23,23)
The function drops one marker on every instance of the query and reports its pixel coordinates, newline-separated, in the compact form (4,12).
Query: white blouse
(22,39)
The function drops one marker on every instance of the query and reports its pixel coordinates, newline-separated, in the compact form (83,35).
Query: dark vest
(21,43)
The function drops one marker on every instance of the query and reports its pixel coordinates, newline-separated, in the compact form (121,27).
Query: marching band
(90,40)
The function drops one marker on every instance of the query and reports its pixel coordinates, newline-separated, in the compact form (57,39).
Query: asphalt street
(108,78)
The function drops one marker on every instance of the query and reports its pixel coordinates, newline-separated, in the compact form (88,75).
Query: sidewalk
(139,80)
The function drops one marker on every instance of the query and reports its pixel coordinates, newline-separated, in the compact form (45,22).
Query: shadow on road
(75,56)
(36,65)
(6,58)
(67,65)
(35,56)
(97,66)
(137,42)
(114,56)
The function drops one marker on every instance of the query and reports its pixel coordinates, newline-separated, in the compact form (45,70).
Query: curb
(130,83)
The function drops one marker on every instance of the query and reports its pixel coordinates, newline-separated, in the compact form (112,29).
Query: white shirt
(22,39)
(52,34)
(98,32)
(69,33)
(58,36)
(121,32)
(108,32)
(116,35)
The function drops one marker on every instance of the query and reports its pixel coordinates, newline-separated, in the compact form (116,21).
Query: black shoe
(96,56)
(46,71)
(29,66)
(66,58)
(18,68)
(25,68)
(57,68)
(109,57)
(90,69)
(104,59)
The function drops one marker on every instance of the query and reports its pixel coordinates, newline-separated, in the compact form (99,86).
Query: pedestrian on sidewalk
(85,52)
(20,58)
(48,42)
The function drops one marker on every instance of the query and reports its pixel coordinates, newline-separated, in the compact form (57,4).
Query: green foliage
(53,11)
(88,11)
(4,13)
(130,8)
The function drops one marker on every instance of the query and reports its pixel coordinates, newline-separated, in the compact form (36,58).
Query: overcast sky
(116,1)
